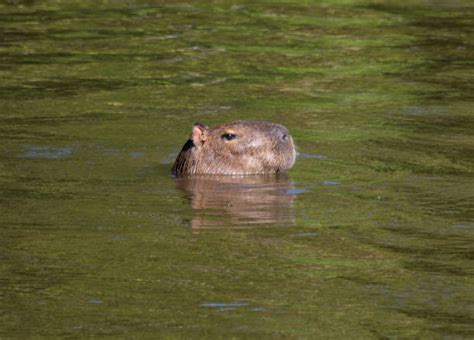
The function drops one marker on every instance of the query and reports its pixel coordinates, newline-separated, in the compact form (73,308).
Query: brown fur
(240,148)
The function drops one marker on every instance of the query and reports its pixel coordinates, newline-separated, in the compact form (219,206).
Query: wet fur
(258,148)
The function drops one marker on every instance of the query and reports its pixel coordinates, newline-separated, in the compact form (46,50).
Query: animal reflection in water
(222,201)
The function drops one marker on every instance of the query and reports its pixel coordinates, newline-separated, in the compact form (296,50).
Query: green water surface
(371,234)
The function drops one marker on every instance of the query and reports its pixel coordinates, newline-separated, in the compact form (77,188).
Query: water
(369,236)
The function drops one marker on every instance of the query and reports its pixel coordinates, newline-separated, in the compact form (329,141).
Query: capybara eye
(228,136)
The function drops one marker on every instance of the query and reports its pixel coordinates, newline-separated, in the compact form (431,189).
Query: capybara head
(240,148)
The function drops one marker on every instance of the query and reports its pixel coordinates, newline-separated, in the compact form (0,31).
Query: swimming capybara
(239,148)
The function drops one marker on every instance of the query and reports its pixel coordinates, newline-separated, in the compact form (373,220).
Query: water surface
(369,236)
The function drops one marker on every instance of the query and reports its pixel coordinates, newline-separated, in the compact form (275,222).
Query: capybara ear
(198,135)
